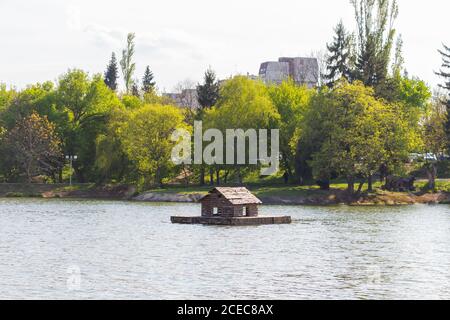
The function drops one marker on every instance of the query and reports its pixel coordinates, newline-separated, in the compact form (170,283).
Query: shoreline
(307,197)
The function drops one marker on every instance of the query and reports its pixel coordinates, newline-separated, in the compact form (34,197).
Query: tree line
(363,122)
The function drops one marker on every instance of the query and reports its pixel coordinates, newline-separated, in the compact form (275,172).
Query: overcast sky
(41,39)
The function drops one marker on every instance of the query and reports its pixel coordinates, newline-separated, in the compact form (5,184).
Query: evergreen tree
(444,73)
(208,92)
(135,89)
(148,85)
(445,69)
(111,73)
(207,96)
(338,58)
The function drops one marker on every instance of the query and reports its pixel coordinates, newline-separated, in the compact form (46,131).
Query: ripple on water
(131,250)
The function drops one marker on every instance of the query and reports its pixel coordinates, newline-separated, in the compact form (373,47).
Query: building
(187,98)
(230,207)
(304,71)
(230,202)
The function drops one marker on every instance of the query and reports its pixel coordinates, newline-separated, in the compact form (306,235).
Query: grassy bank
(269,193)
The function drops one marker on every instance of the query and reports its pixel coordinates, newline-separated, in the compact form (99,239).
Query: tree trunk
(431,174)
(202,176)
(350,185)
(239,176)
(218,177)
(211,176)
(361,184)
(369,184)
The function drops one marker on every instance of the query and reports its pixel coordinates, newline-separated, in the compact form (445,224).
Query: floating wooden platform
(232,221)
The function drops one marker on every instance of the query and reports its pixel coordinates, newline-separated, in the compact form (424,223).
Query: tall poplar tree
(375,28)
(127,64)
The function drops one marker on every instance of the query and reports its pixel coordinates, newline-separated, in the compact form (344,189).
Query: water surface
(70,249)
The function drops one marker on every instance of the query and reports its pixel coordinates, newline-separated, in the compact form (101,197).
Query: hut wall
(207,209)
(252,211)
(214,200)
(238,211)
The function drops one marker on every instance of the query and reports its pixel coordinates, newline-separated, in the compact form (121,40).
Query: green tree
(208,92)
(434,138)
(243,104)
(339,56)
(207,95)
(291,102)
(86,104)
(148,83)
(444,73)
(145,136)
(127,64)
(135,89)
(356,134)
(112,73)
(375,28)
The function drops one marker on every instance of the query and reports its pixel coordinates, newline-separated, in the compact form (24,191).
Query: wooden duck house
(230,206)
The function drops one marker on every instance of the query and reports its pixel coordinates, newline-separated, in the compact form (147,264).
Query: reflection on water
(101,249)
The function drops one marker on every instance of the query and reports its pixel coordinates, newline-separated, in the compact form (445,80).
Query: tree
(36,147)
(145,137)
(86,104)
(375,28)
(135,89)
(338,58)
(38,97)
(444,73)
(399,60)
(243,104)
(127,64)
(355,133)
(208,92)
(111,73)
(148,85)
(434,138)
(291,102)
(207,95)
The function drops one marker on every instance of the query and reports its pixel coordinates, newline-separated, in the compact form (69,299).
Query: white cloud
(73,15)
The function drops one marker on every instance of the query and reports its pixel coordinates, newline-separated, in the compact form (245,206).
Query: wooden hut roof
(237,196)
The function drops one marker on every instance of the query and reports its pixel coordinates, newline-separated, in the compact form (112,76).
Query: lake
(73,249)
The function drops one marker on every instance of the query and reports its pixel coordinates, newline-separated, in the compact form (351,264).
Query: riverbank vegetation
(362,123)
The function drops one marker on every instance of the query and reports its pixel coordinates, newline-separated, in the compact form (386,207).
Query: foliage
(291,102)
(112,73)
(35,145)
(127,64)
(208,92)
(243,104)
(145,138)
(148,83)
(86,104)
(375,28)
(356,133)
(339,56)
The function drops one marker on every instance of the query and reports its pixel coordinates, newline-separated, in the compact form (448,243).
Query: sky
(179,40)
